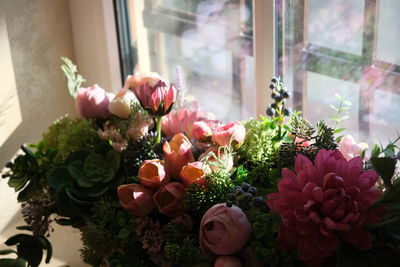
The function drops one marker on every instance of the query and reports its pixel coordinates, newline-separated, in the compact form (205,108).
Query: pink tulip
(152,174)
(227,261)
(177,153)
(223,230)
(194,173)
(92,102)
(231,133)
(136,199)
(120,106)
(155,98)
(169,201)
(202,131)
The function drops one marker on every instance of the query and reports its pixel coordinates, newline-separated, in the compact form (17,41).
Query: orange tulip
(152,174)
(177,154)
(136,199)
(194,173)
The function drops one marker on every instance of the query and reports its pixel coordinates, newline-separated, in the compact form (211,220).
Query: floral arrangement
(150,180)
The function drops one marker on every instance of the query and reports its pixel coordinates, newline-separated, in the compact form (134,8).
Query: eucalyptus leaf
(12,263)
(385,167)
(7,251)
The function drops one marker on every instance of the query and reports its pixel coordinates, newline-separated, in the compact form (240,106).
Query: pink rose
(120,106)
(202,131)
(232,132)
(177,153)
(136,199)
(194,173)
(92,102)
(227,261)
(169,200)
(350,148)
(223,230)
(152,174)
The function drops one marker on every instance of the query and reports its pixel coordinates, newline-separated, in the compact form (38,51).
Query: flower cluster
(148,183)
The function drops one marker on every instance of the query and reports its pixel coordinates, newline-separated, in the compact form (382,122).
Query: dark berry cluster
(245,197)
(279,95)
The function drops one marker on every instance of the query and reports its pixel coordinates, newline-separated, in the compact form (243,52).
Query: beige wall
(33,93)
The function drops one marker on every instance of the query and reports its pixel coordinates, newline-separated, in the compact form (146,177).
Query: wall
(33,93)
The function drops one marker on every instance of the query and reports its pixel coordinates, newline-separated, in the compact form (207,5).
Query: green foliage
(66,135)
(301,127)
(184,253)
(388,151)
(110,232)
(385,167)
(83,177)
(199,199)
(30,249)
(341,114)
(74,80)
(12,263)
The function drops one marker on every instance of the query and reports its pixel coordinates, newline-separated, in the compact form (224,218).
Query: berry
(274,80)
(273,105)
(245,186)
(258,201)
(273,95)
(286,112)
(278,97)
(246,206)
(229,204)
(231,196)
(253,190)
(285,94)
(272,86)
(237,190)
(247,197)
(270,112)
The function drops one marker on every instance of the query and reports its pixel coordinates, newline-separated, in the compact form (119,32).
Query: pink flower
(183,120)
(155,98)
(202,131)
(136,199)
(350,149)
(169,201)
(223,230)
(322,201)
(194,173)
(177,153)
(92,102)
(120,106)
(152,174)
(232,132)
(227,261)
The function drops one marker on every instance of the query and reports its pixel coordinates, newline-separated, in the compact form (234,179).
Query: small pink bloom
(177,153)
(232,132)
(227,261)
(194,173)
(92,102)
(350,148)
(202,131)
(169,201)
(223,230)
(152,174)
(323,201)
(136,199)
(120,106)
(155,98)
(301,142)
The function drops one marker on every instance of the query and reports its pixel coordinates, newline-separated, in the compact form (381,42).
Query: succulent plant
(83,177)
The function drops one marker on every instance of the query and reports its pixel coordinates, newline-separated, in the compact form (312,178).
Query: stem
(158,119)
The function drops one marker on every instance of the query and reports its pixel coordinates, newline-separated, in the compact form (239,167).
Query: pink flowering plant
(151,183)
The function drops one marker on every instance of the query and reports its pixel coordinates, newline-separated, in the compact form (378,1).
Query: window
(209,43)
(348,47)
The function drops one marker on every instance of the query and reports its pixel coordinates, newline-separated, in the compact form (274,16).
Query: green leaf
(59,177)
(339,130)
(113,160)
(124,233)
(17,182)
(25,227)
(12,263)
(47,246)
(75,169)
(15,239)
(29,190)
(7,251)
(385,167)
(78,201)
(375,151)
(74,80)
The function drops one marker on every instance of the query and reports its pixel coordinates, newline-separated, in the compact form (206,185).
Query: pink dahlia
(323,202)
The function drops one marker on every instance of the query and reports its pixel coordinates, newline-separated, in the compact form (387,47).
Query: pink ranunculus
(169,200)
(177,153)
(136,199)
(152,174)
(227,261)
(202,131)
(231,133)
(195,173)
(92,102)
(182,121)
(155,98)
(120,106)
(223,230)
(350,148)
(323,201)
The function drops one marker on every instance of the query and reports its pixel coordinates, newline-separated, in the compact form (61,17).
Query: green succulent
(83,177)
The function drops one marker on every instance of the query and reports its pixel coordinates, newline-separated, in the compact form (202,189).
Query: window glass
(209,41)
(348,47)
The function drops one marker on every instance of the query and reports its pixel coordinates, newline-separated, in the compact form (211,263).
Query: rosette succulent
(84,176)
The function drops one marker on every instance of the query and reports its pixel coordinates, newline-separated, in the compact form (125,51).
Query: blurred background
(209,47)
